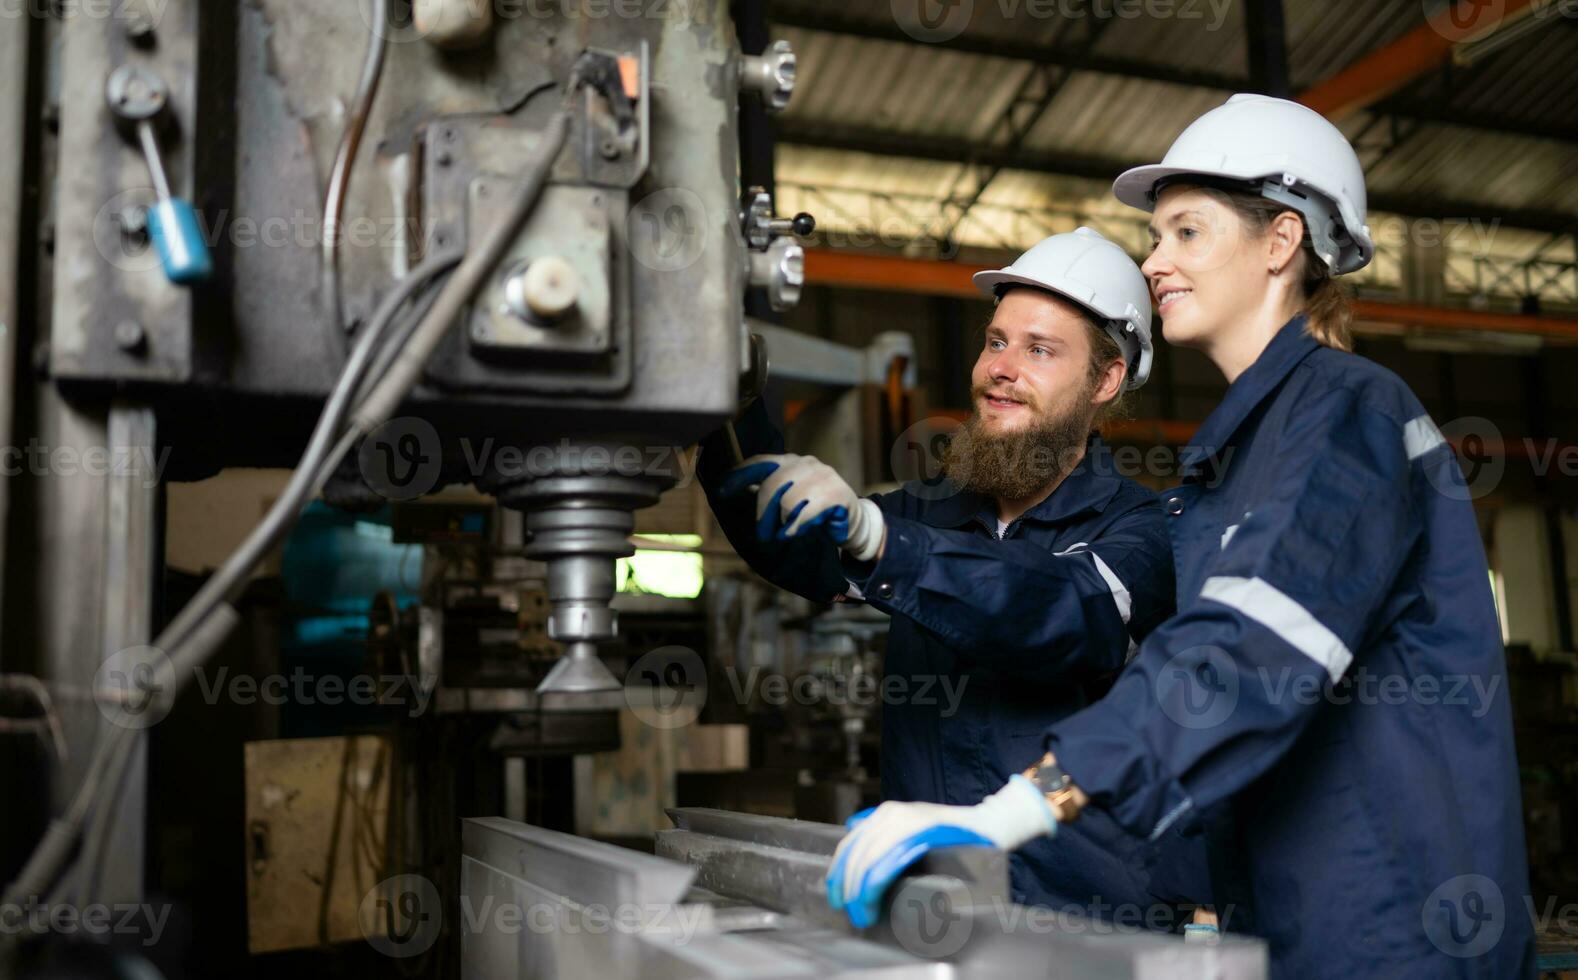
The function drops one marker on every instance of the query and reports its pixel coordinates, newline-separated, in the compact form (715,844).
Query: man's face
(1035,365)
(1034,399)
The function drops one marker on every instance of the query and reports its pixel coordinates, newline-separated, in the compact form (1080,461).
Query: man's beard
(1021,462)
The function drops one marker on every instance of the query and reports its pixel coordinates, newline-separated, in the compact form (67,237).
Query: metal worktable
(738,895)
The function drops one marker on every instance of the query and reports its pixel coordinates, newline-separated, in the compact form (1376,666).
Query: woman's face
(1206,270)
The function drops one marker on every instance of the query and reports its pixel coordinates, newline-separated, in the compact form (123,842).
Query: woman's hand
(884,841)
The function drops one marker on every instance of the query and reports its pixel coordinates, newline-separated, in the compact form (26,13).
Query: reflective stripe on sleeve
(1120,592)
(1420,436)
(1271,608)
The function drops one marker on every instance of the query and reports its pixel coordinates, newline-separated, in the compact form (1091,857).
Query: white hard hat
(1287,153)
(1086,268)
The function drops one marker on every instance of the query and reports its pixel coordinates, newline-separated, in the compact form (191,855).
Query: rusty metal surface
(469,162)
(262,87)
(103,277)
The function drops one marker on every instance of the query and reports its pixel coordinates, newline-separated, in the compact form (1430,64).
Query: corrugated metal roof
(1119,118)
(1529,82)
(1323,38)
(1192,35)
(1474,166)
(1197,35)
(929,90)
(900,87)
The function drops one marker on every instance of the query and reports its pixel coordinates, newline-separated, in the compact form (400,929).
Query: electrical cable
(318,461)
(388,351)
(227,582)
(463,284)
(195,631)
(345,157)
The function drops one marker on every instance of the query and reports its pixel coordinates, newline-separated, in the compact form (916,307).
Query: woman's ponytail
(1326,304)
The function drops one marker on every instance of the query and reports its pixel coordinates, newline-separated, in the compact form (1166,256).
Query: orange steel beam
(1384,71)
(1455,318)
(855,270)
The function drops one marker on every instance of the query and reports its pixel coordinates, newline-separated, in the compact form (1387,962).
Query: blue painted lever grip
(172,224)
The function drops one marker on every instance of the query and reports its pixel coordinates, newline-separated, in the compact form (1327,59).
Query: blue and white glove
(887,839)
(798,493)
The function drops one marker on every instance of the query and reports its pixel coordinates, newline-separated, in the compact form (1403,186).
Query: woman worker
(1333,606)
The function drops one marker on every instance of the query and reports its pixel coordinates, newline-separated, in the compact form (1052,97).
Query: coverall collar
(1089,487)
(1290,346)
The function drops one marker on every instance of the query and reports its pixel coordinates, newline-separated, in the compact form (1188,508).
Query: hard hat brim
(987,282)
(1133,187)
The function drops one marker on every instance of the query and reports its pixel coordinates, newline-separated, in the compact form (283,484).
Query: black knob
(804,224)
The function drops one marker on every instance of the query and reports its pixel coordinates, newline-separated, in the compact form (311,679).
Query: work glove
(798,493)
(885,840)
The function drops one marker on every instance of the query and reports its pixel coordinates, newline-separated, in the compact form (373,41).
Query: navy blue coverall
(1031,627)
(1336,668)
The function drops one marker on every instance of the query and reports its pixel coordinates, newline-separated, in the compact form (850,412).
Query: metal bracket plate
(469,162)
(572,224)
(116,316)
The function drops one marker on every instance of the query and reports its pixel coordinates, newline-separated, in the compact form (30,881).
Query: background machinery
(397,246)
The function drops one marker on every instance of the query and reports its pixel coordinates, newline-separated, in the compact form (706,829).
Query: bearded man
(1022,583)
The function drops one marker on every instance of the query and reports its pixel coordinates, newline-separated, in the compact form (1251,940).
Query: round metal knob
(781,271)
(772,75)
(544,289)
(136,95)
